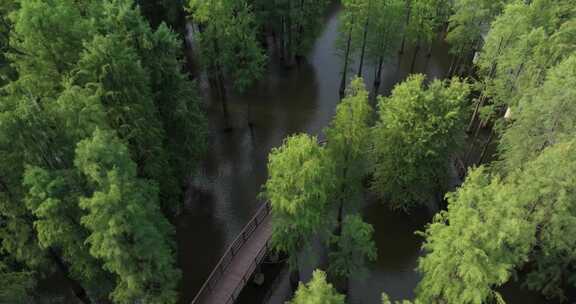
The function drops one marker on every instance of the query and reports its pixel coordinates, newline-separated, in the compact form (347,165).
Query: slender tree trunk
(416,50)
(479,105)
(289,45)
(346,286)
(345,69)
(408,11)
(282,40)
(378,77)
(428,56)
(297,55)
(455,67)
(363,52)
(219,76)
(295,278)
(485,149)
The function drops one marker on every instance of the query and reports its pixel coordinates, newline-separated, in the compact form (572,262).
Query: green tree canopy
(317,291)
(347,143)
(128,231)
(418,130)
(544,117)
(354,248)
(298,188)
(228,42)
(475,245)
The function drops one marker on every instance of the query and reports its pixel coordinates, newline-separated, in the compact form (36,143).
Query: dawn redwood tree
(354,248)
(347,34)
(544,117)
(298,189)
(82,66)
(127,229)
(347,145)
(317,291)
(421,26)
(384,40)
(475,245)
(419,128)
(521,47)
(467,24)
(175,107)
(495,225)
(546,186)
(302,21)
(228,44)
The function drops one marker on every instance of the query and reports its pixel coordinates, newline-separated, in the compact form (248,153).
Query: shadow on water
(222,198)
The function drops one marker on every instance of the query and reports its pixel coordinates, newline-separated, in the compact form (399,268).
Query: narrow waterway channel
(223,197)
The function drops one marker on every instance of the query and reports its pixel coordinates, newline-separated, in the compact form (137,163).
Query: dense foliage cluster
(99,130)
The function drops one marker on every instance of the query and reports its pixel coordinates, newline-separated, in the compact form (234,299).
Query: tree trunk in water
(297,55)
(295,278)
(289,51)
(346,287)
(282,40)
(377,78)
(345,70)
(363,49)
(416,50)
(77,289)
(428,56)
(219,75)
(339,219)
(407,22)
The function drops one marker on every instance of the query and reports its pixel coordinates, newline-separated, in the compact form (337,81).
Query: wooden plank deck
(239,262)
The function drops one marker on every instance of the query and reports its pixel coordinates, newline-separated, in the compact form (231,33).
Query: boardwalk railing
(229,255)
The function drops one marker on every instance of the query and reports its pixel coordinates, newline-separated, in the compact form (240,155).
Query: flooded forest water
(222,197)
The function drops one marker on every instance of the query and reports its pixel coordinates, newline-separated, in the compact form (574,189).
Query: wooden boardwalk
(239,261)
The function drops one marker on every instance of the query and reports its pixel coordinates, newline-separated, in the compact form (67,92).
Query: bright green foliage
(84,66)
(543,118)
(46,41)
(475,245)
(298,188)
(523,43)
(16,287)
(386,300)
(348,140)
(227,41)
(354,248)
(128,231)
(494,226)
(129,105)
(547,187)
(53,199)
(418,130)
(317,291)
(469,21)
